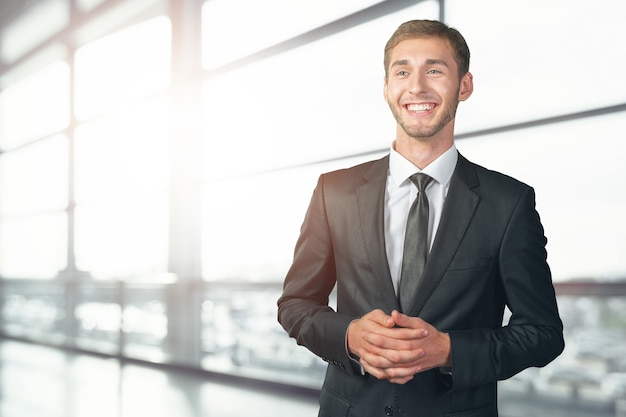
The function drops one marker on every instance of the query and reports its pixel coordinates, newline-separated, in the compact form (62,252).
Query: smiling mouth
(420,108)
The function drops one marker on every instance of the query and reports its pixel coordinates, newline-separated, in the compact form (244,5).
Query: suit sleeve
(534,334)
(303,308)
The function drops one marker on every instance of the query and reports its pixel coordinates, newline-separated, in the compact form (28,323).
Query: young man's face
(423,88)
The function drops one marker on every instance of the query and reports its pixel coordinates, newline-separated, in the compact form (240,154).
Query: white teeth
(420,107)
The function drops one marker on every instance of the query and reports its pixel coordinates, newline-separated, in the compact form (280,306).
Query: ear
(466,87)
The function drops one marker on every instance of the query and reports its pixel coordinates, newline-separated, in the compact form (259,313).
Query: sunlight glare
(123,67)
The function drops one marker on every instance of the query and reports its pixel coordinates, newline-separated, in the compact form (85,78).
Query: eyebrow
(437,62)
(431,61)
(400,62)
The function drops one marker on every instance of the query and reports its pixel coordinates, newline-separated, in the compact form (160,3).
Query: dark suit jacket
(489,251)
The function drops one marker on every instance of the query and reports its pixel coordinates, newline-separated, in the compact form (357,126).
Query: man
(440,350)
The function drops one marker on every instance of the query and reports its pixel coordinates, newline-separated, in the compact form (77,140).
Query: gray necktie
(415,243)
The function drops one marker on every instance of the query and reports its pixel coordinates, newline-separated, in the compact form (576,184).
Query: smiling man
(423,87)
(425,249)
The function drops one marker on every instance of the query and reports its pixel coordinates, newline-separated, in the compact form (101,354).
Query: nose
(417,83)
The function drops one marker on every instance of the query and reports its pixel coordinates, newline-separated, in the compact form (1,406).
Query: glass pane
(323,100)
(241,336)
(122,67)
(225,41)
(272,206)
(580,189)
(123,154)
(35,178)
(587,379)
(98,318)
(34,310)
(123,238)
(145,322)
(106,309)
(33,246)
(20,36)
(35,107)
(535,59)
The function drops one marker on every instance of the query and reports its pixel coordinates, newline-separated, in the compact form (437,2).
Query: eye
(403,73)
(434,71)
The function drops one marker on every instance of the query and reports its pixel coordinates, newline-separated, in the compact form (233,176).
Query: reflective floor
(38,381)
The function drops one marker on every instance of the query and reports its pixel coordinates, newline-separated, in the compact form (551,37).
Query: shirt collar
(441,169)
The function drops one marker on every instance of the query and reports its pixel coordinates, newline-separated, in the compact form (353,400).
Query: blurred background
(157,158)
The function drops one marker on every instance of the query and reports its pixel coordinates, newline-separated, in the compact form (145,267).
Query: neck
(421,152)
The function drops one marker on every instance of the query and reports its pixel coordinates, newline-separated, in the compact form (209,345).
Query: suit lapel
(458,210)
(371,201)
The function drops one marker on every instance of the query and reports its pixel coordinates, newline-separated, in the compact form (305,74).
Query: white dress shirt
(400,193)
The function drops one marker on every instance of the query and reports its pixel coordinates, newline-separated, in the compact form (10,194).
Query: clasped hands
(396,347)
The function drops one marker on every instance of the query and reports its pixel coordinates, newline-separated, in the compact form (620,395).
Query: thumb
(402,320)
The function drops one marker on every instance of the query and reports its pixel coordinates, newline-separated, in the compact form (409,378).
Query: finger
(402,320)
(400,381)
(384,359)
(389,373)
(394,339)
(397,375)
(380,318)
(374,322)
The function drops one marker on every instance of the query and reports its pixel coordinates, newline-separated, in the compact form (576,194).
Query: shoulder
(477,176)
(358,174)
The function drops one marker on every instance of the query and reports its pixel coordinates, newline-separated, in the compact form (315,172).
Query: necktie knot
(421,181)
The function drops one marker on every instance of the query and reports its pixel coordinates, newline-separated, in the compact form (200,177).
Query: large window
(33,224)
(578,183)
(271,124)
(157,158)
(34,174)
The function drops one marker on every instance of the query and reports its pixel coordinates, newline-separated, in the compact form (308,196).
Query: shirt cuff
(446,370)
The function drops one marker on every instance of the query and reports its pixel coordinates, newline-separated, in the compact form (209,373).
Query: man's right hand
(385,350)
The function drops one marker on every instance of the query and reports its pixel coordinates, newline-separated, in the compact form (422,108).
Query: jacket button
(389,410)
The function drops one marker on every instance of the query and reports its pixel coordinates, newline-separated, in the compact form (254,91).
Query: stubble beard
(425,132)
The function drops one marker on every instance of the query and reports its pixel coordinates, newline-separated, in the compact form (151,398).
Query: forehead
(418,50)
